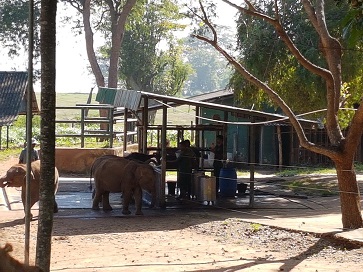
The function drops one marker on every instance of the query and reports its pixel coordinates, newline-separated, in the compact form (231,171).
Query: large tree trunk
(349,196)
(341,150)
(118,21)
(48,103)
(100,80)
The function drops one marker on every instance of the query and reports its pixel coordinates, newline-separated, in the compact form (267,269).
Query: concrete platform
(320,215)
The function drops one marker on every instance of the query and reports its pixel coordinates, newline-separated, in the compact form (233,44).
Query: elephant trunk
(3,182)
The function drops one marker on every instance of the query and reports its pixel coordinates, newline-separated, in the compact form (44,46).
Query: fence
(107,131)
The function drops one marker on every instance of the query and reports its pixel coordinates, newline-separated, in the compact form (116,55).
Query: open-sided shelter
(13,97)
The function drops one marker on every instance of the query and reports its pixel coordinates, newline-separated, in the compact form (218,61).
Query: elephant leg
(126,201)
(96,200)
(106,201)
(138,200)
(23,199)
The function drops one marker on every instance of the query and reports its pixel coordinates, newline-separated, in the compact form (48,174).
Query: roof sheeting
(13,86)
(202,101)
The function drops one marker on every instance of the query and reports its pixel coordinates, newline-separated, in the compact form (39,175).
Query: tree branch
(274,97)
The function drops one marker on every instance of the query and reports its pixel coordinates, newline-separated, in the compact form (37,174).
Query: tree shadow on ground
(287,264)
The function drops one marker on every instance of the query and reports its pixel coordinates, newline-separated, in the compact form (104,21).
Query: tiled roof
(13,87)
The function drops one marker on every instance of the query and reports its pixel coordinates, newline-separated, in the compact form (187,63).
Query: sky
(73,74)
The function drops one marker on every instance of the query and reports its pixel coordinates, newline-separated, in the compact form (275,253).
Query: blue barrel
(228,182)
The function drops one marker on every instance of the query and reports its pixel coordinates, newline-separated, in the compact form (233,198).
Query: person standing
(34,153)
(185,161)
(217,149)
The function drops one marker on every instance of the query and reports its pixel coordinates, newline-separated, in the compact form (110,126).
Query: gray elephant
(117,174)
(16,177)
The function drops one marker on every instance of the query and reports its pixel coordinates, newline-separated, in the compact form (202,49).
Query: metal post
(29,118)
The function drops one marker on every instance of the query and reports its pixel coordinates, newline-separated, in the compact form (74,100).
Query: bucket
(207,188)
(196,180)
(227,182)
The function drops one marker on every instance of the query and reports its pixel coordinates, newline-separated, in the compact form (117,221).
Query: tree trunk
(48,72)
(88,33)
(349,196)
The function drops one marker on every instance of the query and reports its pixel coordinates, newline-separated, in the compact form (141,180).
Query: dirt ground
(202,240)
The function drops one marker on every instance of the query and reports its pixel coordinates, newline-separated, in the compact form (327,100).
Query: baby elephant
(117,174)
(16,177)
(9,264)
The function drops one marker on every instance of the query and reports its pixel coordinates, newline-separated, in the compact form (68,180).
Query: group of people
(187,160)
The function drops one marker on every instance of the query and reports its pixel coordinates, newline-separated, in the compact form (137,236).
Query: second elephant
(117,174)
(16,177)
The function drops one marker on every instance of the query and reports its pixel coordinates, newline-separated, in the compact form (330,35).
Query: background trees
(267,57)
(327,67)
(151,56)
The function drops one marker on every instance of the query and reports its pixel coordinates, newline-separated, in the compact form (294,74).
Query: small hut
(13,98)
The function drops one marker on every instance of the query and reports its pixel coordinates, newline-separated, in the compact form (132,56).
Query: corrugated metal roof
(212,96)
(172,101)
(13,86)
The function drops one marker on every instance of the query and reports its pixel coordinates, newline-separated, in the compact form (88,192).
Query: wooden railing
(85,131)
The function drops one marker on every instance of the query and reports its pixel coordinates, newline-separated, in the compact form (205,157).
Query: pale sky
(73,75)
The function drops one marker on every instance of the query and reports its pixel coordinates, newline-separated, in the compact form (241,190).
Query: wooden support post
(163,157)
(145,121)
(225,128)
(279,140)
(252,145)
(197,122)
(110,126)
(125,131)
(82,127)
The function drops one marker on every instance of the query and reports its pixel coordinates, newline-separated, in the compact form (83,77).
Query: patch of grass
(358,167)
(305,171)
(9,153)
(256,227)
(311,187)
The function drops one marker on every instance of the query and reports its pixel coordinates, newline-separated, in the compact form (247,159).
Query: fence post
(110,118)
(82,127)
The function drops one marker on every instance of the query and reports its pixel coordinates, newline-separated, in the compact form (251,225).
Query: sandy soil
(176,241)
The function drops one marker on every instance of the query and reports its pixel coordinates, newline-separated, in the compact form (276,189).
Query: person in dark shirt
(217,149)
(185,161)
(34,153)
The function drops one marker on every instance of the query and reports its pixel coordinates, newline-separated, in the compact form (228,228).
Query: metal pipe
(29,118)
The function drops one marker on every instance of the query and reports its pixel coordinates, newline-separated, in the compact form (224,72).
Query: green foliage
(14,25)
(353,23)
(150,60)
(311,187)
(290,172)
(172,136)
(256,227)
(265,55)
